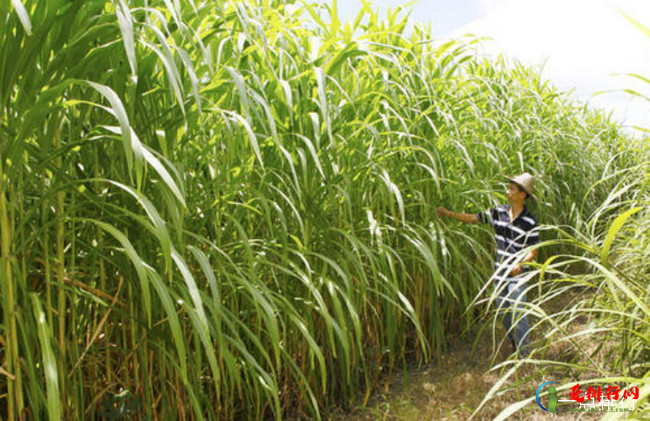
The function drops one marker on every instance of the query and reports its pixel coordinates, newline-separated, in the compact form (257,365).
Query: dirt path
(455,387)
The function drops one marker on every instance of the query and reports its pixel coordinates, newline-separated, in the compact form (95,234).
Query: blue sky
(583,46)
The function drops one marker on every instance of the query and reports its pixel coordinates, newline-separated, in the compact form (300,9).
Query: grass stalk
(60,266)
(15,402)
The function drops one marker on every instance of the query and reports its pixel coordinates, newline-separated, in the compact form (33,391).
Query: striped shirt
(511,236)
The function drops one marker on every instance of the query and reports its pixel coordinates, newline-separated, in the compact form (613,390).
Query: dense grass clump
(226,209)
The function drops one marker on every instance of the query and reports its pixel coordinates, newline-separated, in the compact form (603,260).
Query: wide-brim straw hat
(525,182)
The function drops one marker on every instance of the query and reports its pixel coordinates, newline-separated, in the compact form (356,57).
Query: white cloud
(583,44)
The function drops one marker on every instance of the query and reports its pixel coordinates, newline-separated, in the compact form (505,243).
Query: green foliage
(267,200)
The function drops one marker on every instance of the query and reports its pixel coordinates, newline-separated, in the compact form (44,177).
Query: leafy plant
(227,208)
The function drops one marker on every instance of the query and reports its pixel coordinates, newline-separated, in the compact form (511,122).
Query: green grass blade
(611,233)
(49,361)
(23,16)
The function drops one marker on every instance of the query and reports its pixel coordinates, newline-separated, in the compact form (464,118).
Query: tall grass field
(226,209)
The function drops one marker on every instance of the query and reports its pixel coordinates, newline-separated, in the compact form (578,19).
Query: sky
(582,46)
